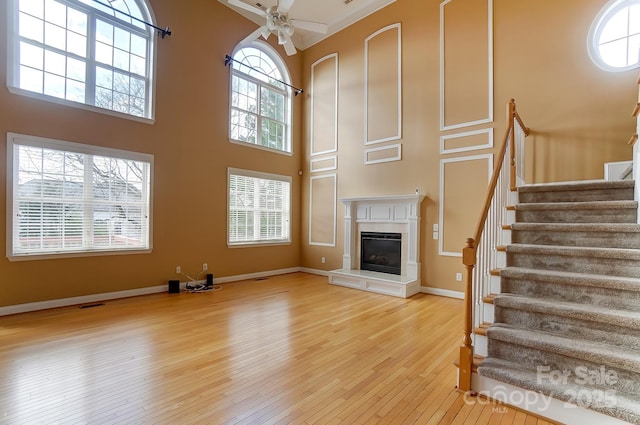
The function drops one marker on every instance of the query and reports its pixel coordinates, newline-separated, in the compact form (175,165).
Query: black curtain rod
(163,31)
(228,59)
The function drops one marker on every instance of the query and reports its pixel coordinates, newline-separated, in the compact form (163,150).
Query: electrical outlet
(459,277)
(323,260)
(205,267)
(435,235)
(178,269)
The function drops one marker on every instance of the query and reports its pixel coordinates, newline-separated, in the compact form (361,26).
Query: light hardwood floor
(288,349)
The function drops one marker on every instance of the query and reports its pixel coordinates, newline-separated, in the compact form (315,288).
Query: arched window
(83,52)
(614,39)
(260,110)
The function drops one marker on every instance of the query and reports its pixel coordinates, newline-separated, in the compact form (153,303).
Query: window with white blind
(70,199)
(259,208)
(83,53)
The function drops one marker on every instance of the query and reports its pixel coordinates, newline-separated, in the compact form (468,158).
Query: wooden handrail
(511,113)
(469,252)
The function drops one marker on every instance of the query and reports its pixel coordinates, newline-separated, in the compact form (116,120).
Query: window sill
(257,244)
(264,148)
(78,105)
(56,255)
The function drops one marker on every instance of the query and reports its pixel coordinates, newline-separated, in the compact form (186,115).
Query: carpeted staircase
(567,323)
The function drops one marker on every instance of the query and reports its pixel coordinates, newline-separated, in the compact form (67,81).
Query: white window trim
(26,140)
(265,176)
(609,9)
(275,57)
(13,65)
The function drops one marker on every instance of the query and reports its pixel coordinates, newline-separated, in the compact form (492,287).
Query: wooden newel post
(466,349)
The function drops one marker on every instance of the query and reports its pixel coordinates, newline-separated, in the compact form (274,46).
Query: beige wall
(578,113)
(190,144)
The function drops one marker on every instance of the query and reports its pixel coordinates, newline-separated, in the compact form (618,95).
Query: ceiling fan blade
(245,6)
(289,47)
(254,35)
(284,5)
(310,26)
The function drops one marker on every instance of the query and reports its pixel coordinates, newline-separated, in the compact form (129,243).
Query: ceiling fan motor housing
(277,22)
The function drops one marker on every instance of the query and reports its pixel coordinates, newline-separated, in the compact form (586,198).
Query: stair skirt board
(539,404)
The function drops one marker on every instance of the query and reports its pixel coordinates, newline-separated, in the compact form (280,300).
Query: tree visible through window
(260,103)
(71,198)
(82,51)
(615,36)
(259,207)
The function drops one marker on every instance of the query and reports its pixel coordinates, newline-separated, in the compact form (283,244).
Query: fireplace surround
(398,214)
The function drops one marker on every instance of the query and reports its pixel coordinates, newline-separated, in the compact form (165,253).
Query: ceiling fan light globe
(288,28)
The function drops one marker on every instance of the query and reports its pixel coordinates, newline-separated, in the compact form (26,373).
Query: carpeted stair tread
(619,405)
(572,278)
(595,352)
(589,205)
(622,318)
(604,235)
(579,227)
(575,251)
(577,185)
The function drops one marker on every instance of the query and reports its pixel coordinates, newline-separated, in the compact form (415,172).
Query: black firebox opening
(381,252)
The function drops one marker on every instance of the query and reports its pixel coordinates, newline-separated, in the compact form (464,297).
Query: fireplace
(381,252)
(397,215)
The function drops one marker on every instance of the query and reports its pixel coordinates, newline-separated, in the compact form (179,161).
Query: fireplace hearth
(381,252)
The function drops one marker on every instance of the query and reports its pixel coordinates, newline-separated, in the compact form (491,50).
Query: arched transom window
(260,107)
(83,52)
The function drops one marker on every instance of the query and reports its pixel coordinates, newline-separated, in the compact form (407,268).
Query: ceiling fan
(278,23)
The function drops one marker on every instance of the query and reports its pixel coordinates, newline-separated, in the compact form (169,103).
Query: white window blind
(68,198)
(259,207)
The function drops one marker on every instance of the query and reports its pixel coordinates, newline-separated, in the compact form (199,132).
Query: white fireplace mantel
(401,214)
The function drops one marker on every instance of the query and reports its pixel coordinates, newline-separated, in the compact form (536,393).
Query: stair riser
(614,215)
(593,239)
(587,295)
(593,265)
(569,327)
(627,382)
(623,194)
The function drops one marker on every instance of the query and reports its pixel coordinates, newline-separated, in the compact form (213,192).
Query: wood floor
(288,349)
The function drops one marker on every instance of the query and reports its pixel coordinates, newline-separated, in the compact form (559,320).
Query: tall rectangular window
(73,199)
(259,208)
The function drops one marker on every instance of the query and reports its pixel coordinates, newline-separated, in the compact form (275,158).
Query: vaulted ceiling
(337,14)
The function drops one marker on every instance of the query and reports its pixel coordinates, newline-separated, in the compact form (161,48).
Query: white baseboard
(442,292)
(256,275)
(315,271)
(66,302)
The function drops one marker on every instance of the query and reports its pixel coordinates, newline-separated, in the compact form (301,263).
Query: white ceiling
(337,14)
